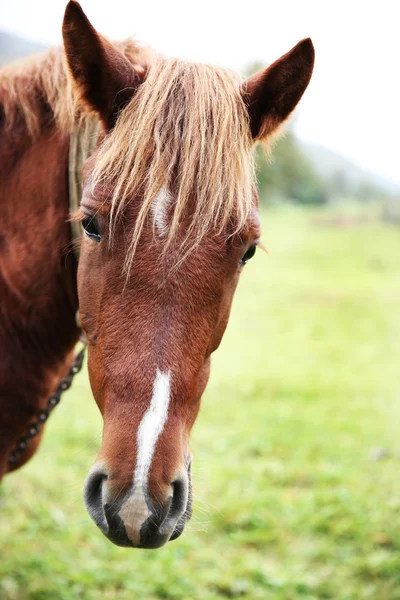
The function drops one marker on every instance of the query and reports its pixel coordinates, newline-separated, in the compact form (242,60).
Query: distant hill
(329,163)
(13,47)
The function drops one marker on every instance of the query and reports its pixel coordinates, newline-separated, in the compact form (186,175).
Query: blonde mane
(43,80)
(186,130)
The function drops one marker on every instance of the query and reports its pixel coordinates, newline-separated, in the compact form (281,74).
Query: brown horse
(169,215)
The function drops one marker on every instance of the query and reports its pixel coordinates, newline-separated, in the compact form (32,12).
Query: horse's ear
(272,94)
(104,77)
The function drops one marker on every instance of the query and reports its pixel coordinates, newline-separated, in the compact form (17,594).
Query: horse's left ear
(271,95)
(104,77)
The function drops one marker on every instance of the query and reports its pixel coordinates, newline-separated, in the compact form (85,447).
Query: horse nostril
(177,505)
(94,486)
(169,523)
(93,497)
(179,498)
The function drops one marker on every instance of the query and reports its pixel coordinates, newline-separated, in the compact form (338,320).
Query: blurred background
(296,449)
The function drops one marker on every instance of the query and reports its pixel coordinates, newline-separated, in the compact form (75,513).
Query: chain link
(44,413)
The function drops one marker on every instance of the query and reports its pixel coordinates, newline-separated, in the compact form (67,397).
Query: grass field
(296,449)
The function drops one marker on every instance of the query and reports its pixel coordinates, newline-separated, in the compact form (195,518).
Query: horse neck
(37,267)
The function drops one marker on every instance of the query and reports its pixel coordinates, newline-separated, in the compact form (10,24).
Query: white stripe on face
(135,510)
(152,425)
(159,210)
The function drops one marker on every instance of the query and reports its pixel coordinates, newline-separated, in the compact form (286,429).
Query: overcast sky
(353,101)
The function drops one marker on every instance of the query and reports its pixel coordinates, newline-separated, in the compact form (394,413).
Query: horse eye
(92,229)
(248,255)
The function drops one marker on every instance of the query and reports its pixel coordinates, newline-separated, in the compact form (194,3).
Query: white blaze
(159,209)
(152,425)
(135,510)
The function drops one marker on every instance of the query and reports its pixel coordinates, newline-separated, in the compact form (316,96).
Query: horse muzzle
(135,520)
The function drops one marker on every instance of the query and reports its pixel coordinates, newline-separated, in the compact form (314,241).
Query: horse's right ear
(104,77)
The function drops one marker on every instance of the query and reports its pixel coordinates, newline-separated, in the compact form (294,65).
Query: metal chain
(44,413)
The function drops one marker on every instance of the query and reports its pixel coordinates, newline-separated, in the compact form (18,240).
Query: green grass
(289,501)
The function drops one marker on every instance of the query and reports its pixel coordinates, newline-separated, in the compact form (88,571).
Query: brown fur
(169,123)
(37,279)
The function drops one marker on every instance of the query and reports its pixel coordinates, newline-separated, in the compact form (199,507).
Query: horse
(168,219)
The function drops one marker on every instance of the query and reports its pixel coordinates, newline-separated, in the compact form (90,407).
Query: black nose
(166,522)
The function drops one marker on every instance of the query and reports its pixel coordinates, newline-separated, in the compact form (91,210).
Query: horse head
(170,218)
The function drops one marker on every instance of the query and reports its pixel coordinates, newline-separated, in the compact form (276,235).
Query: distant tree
(368,192)
(289,174)
(338,185)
